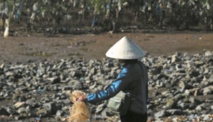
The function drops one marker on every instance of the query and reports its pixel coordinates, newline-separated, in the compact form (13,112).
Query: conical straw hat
(125,48)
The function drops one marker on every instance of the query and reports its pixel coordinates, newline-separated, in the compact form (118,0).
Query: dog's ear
(72,98)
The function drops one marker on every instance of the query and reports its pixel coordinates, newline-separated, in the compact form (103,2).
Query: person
(133,78)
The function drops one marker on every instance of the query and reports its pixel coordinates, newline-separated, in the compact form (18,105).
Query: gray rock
(93,71)
(42,112)
(21,110)
(59,115)
(159,114)
(4,111)
(100,108)
(199,108)
(208,53)
(175,58)
(54,79)
(170,103)
(211,79)
(208,90)
(19,104)
(76,85)
(175,112)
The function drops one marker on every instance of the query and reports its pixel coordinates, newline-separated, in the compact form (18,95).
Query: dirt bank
(90,46)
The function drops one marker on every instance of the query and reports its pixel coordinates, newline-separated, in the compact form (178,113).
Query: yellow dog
(79,111)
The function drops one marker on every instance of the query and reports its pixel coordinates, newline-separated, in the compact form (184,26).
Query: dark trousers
(133,117)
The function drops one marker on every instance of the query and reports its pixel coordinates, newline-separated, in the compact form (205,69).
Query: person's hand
(82,98)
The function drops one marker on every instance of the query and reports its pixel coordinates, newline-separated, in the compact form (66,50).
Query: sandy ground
(37,47)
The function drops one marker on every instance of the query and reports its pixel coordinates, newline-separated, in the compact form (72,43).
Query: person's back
(138,86)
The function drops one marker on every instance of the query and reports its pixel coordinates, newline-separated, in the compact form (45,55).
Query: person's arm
(119,84)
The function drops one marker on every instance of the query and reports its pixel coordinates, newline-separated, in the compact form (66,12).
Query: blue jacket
(132,78)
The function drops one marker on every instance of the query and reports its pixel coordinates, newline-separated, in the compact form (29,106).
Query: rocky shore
(180,88)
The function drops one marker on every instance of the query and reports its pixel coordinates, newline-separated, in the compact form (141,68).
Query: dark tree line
(110,15)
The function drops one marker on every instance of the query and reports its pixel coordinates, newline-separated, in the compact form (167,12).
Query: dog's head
(76,94)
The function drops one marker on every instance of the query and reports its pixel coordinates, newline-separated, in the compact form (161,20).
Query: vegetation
(65,15)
